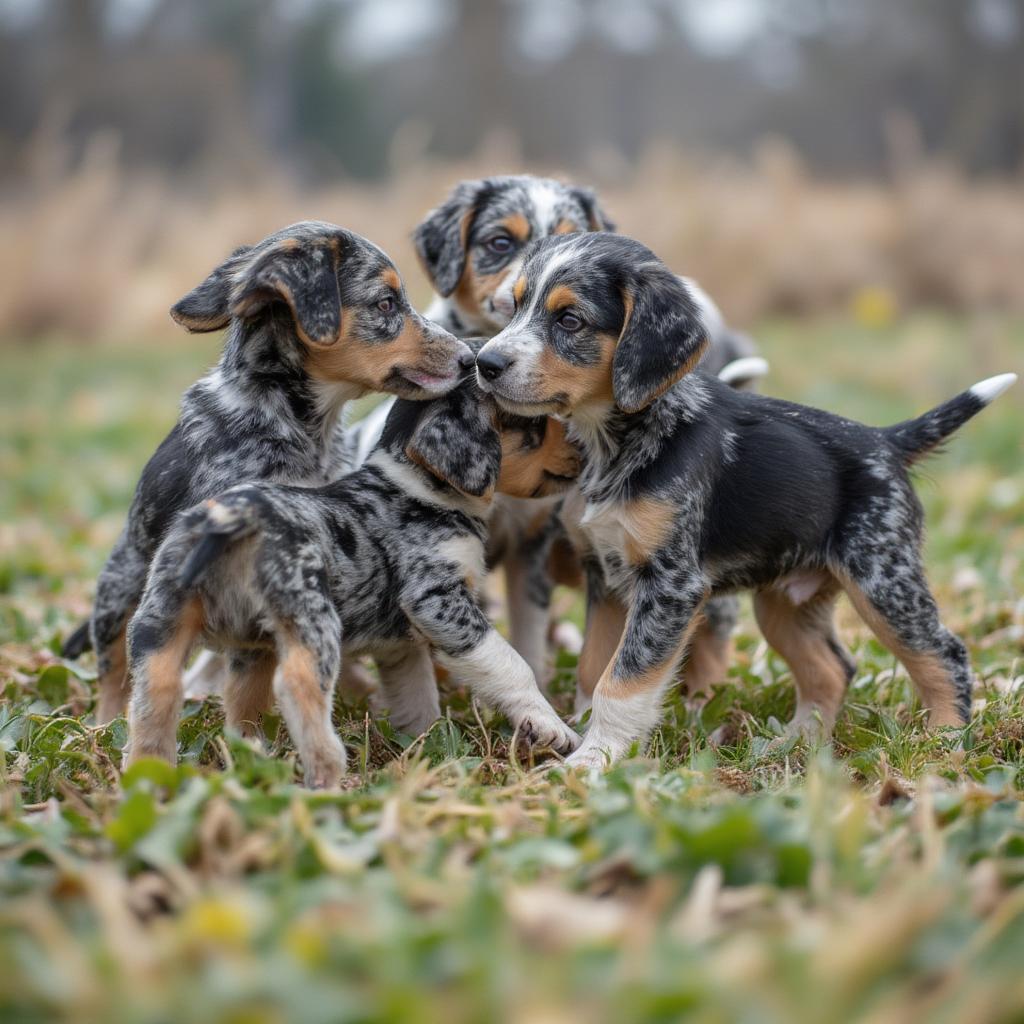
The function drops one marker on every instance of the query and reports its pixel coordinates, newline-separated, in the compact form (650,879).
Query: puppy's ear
(208,306)
(456,440)
(663,337)
(597,219)
(303,275)
(441,238)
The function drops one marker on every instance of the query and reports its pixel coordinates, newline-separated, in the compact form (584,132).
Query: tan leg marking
(624,687)
(153,718)
(929,674)
(602,635)
(248,695)
(648,523)
(707,661)
(306,706)
(800,633)
(114,686)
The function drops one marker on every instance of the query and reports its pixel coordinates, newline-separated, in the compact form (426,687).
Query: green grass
(881,879)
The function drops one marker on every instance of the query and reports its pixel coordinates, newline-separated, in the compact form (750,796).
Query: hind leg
(898,606)
(161,635)
(409,690)
(804,634)
(248,692)
(118,591)
(708,659)
(308,662)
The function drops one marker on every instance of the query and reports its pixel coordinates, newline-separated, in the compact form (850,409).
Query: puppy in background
(316,316)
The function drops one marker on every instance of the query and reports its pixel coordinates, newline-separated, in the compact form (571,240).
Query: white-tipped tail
(747,368)
(988,390)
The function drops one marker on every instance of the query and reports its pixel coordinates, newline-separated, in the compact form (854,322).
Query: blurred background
(795,156)
(846,177)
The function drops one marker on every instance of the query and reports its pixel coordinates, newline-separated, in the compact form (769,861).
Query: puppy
(317,315)
(387,562)
(470,247)
(691,489)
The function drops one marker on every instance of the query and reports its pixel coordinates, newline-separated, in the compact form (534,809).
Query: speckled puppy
(317,315)
(386,562)
(471,247)
(691,489)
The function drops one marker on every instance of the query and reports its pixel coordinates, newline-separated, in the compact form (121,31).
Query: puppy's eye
(386,305)
(569,322)
(500,244)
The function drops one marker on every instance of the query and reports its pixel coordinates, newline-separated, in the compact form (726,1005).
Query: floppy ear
(207,306)
(597,219)
(456,440)
(304,275)
(440,239)
(663,337)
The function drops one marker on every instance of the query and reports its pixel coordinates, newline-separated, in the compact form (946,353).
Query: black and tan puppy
(471,247)
(691,489)
(316,315)
(388,561)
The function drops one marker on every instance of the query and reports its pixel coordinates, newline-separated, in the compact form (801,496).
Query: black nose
(492,364)
(466,360)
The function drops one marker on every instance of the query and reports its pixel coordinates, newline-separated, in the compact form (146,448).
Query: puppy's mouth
(428,381)
(536,407)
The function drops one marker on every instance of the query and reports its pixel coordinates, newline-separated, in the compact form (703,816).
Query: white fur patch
(990,389)
(747,368)
(408,480)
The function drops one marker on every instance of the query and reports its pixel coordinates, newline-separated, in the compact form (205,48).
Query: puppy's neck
(261,370)
(616,444)
(416,482)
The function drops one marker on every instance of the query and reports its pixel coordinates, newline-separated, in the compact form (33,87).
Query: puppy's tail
(916,438)
(216,525)
(78,643)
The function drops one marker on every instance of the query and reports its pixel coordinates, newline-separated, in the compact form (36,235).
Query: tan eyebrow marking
(390,277)
(517,225)
(565,227)
(519,289)
(560,297)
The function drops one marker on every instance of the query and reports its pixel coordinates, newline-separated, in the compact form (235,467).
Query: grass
(879,880)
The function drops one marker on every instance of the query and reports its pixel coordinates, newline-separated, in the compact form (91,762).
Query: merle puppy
(471,247)
(387,561)
(317,315)
(691,489)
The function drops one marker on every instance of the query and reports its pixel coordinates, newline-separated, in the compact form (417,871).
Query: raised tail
(216,525)
(920,437)
(77,643)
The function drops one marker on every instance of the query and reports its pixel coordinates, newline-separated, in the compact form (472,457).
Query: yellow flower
(218,921)
(874,306)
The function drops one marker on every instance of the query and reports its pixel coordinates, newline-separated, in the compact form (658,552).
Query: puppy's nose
(492,364)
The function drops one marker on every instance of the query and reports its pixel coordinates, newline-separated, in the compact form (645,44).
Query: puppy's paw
(324,768)
(546,729)
(589,759)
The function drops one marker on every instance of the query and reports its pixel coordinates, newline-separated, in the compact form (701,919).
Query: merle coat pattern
(691,489)
(316,315)
(471,247)
(387,561)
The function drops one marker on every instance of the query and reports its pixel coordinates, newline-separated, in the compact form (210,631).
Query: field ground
(880,880)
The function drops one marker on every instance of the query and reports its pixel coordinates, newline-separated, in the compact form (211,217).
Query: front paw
(590,759)
(546,729)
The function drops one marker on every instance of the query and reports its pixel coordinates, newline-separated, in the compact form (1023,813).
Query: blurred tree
(224,86)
